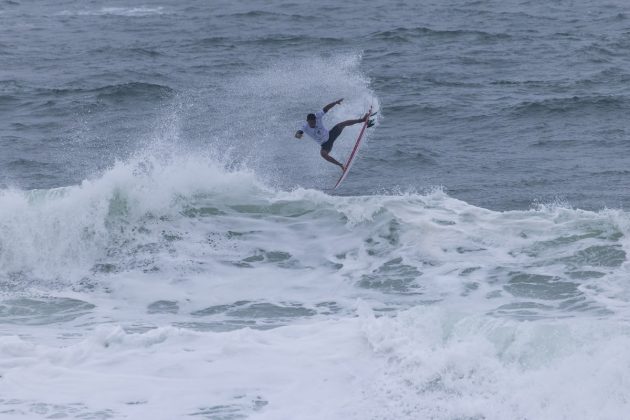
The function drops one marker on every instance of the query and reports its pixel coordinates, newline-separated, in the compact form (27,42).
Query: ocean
(169,250)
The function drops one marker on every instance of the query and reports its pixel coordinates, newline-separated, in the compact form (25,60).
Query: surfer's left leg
(348,123)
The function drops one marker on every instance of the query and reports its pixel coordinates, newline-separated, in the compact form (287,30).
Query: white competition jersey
(319,132)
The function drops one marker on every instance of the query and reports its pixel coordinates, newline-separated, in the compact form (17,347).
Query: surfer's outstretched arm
(330,105)
(329,158)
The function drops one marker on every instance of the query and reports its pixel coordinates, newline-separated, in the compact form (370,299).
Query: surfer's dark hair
(311,117)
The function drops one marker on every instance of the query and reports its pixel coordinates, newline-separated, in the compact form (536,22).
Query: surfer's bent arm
(330,105)
(298,134)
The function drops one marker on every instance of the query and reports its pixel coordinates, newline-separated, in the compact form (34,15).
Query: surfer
(314,127)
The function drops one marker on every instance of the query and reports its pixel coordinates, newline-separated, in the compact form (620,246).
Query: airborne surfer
(315,129)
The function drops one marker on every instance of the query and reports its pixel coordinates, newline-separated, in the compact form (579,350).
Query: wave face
(144,214)
(456,304)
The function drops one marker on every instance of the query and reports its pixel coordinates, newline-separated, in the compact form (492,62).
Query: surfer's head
(310,119)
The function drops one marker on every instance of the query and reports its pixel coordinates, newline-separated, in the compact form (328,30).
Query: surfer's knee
(323,153)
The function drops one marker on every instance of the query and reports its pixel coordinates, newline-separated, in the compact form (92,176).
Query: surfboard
(357,144)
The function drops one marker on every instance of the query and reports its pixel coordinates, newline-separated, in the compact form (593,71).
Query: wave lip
(600,103)
(133,89)
(44,98)
(402,34)
(117,11)
(257,14)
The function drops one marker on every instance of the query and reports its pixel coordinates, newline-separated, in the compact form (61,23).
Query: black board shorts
(332,136)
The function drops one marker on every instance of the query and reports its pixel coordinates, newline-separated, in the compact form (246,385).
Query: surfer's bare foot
(343,168)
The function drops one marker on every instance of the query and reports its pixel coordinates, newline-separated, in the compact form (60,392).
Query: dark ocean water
(168,249)
(503,103)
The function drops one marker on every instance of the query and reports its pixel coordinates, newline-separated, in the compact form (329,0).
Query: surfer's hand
(339,101)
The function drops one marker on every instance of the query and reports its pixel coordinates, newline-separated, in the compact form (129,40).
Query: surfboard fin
(370,123)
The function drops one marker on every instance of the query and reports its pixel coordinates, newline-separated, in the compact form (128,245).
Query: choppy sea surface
(168,250)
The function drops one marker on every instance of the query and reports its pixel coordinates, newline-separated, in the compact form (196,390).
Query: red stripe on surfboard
(354,151)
